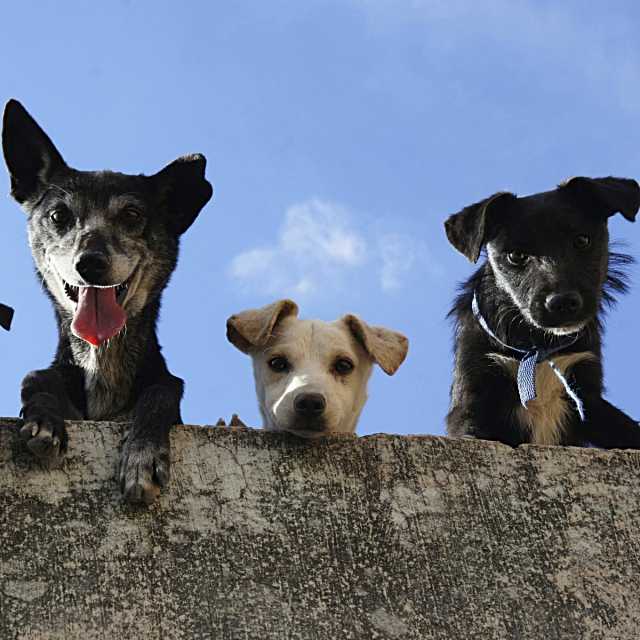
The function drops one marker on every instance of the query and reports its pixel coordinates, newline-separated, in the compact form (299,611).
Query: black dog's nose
(564,304)
(92,266)
(310,405)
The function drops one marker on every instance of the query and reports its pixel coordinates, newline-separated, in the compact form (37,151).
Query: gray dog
(104,245)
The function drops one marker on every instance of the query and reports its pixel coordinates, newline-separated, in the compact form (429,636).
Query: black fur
(6,315)
(132,223)
(513,300)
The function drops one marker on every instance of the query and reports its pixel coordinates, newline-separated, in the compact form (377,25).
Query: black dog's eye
(343,366)
(279,364)
(131,215)
(60,216)
(582,241)
(517,258)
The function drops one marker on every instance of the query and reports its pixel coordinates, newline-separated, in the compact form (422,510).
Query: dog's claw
(46,438)
(144,469)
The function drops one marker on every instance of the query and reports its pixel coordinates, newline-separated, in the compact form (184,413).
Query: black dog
(104,245)
(6,315)
(528,323)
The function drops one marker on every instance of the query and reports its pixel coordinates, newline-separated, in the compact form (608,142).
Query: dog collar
(529,359)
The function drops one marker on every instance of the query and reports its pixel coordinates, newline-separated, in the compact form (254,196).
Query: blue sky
(339,135)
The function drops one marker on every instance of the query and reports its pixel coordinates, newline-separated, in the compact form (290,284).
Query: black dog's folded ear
(467,230)
(6,315)
(387,348)
(607,195)
(253,328)
(29,153)
(184,189)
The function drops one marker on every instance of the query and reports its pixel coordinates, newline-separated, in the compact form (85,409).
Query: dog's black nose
(92,266)
(564,304)
(310,405)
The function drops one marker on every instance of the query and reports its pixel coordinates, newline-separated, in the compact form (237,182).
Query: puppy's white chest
(546,416)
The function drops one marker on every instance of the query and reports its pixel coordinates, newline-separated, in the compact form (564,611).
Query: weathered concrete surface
(260,536)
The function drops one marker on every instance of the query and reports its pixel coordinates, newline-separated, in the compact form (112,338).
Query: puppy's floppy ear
(607,195)
(185,190)
(253,328)
(387,348)
(467,230)
(6,315)
(29,153)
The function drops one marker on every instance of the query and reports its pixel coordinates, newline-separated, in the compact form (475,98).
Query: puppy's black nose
(564,304)
(92,266)
(310,405)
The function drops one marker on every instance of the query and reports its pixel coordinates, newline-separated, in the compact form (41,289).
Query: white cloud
(317,230)
(398,258)
(319,248)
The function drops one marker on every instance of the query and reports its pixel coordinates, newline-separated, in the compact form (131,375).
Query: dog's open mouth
(99,313)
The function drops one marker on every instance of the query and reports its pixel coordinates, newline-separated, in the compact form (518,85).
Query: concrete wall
(262,537)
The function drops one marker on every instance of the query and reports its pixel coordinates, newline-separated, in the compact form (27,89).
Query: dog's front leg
(608,427)
(49,397)
(145,464)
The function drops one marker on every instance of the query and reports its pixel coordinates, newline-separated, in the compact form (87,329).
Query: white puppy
(311,376)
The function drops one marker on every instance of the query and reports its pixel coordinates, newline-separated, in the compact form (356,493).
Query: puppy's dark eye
(60,216)
(343,366)
(517,258)
(279,364)
(582,241)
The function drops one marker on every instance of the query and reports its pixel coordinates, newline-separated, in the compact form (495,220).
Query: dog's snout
(93,266)
(566,304)
(310,405)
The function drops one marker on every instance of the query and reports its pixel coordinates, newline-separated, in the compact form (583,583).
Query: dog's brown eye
(279,364)
(343,366)
(582,241)
(516,258)
(60,216)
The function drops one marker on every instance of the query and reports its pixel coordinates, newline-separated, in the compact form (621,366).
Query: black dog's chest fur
(546,419)
(109,374)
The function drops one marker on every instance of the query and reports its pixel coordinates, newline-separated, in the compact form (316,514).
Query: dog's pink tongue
(98,316)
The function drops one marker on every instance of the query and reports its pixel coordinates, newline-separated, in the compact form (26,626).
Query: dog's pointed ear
(607,195)
(467,230)
(30,155)
(253,328)
(184,189)
(386,348)
(6,315)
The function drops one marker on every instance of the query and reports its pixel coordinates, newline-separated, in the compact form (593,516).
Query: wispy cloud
(319,248)
(398,259)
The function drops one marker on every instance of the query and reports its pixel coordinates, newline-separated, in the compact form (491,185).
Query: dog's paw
(144,470)
(46,437)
